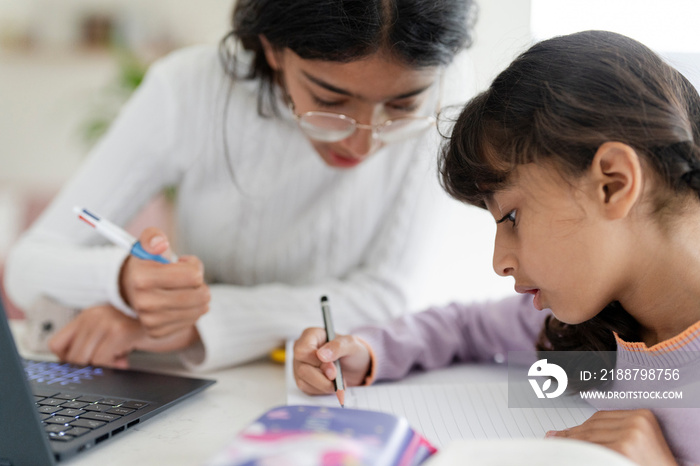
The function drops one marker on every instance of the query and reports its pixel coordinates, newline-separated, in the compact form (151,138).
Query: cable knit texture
(284,231)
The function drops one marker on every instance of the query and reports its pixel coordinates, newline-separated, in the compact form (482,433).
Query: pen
(330,335)
(116,235)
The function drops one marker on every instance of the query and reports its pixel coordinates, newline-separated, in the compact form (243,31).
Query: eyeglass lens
(327,127)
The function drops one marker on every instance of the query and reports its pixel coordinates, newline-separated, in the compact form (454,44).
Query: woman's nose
(361,143)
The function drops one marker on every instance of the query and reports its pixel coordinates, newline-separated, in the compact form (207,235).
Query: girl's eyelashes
(509,217)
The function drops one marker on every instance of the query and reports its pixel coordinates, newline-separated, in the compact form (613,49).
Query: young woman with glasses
(302,154)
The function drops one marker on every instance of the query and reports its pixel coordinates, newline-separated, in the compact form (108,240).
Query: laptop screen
(52,410)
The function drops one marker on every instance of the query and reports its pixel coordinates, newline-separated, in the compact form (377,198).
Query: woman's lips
(338,160)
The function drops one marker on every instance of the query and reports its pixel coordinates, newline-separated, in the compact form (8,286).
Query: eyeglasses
(334,127)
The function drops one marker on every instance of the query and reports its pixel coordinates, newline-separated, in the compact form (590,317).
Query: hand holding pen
(167,296)
(338,382)
(317,360)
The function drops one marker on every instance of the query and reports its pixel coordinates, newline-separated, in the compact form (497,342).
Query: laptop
(51,411)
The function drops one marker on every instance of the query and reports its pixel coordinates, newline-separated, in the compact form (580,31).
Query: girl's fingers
(341,346)
(311,380)
(307,344)
(329,370)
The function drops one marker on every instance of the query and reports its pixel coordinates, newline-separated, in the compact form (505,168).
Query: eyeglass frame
(373,127)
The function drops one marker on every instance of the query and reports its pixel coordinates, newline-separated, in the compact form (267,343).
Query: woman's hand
(314,370)
(104,336)
(634,433)
(100,335)
(168,298)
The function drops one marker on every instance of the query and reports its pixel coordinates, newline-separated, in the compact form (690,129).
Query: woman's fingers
(100,335)
(60,342)
(166,297)
(154,241)
(187,273)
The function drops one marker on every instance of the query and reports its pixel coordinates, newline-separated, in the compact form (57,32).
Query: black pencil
(330,335)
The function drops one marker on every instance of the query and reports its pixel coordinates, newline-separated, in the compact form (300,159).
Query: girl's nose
(504,259)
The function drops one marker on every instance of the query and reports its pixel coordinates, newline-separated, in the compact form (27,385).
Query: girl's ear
(617,173)
(271,53)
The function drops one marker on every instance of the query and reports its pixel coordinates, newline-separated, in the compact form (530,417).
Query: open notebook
(450,410)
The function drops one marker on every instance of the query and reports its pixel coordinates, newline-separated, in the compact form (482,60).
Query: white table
(195,430)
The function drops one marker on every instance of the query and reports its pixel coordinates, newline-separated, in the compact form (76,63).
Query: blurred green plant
(131,70)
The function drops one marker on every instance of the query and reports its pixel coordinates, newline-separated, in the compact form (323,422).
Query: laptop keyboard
(67,415)
(59,373)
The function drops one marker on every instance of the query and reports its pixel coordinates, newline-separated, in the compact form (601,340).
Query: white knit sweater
(288,230)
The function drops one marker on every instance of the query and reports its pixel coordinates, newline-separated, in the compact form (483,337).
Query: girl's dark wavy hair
(420,33)
(557,103)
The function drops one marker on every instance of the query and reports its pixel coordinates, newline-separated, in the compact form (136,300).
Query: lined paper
(450,411)
(443,413)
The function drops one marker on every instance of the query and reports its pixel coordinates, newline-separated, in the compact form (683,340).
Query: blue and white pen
(116,235)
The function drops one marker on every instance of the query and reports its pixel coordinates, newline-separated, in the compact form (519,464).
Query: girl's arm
(426,340)
(458,332)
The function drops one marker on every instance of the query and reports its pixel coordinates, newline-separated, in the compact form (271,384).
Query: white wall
(670,31)
(462,270)
(502,32)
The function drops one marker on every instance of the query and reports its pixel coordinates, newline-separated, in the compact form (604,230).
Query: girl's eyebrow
(338,90)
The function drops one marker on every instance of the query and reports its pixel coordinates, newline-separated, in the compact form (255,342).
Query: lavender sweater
(485,332)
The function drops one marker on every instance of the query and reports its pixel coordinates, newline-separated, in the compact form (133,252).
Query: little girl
(585,152)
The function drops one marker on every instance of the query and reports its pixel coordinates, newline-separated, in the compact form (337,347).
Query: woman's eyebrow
(337,90)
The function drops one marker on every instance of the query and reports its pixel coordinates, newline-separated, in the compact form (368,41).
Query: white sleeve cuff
(113,294)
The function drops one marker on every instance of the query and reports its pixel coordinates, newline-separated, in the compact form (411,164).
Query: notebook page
(443,413)
(451,410)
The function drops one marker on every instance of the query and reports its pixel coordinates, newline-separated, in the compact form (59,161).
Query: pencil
(330,335)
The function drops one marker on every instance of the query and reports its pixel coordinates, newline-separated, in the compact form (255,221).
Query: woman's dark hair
(420,33)
(558,102)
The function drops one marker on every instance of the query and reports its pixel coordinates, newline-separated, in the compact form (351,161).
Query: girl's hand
(168,298)
(634,433)
(314,370)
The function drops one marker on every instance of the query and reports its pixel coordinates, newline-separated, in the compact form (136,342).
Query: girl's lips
(537,301)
